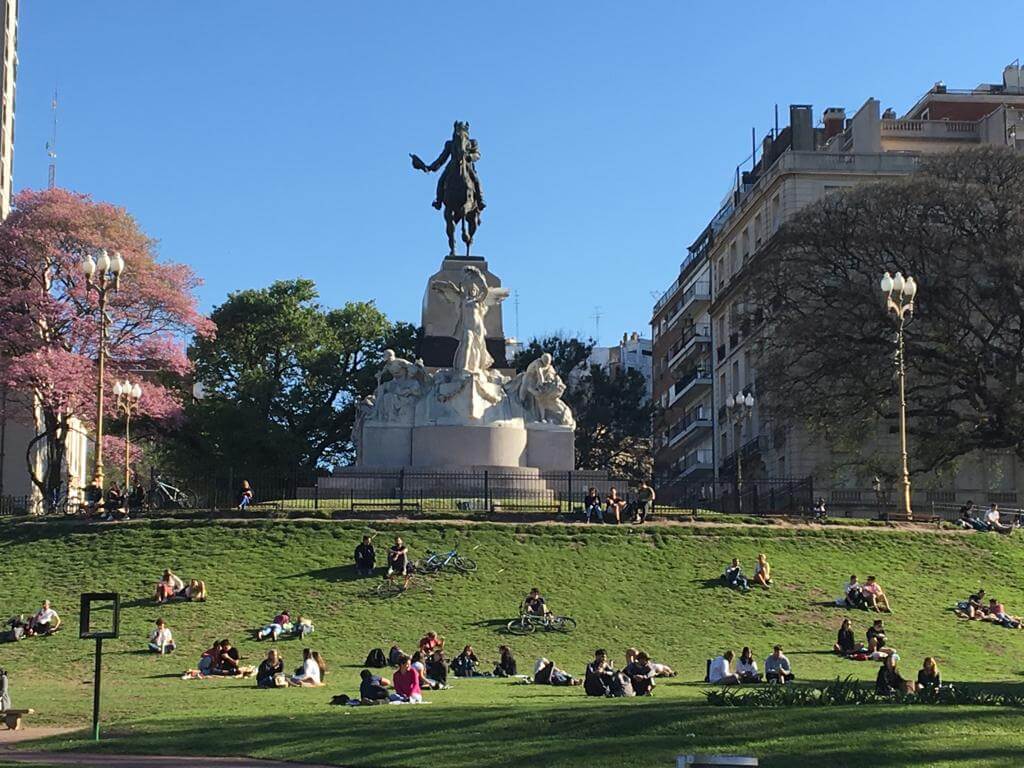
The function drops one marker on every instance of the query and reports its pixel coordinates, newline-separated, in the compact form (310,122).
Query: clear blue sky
(267,140)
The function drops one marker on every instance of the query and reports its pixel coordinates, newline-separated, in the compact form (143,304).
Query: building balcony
(748,450)
(693,338)
(949,130)
(694,381)
(700,460)
(694,299)
(694,422)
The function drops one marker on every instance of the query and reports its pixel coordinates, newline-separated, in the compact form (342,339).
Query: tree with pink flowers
(49,324)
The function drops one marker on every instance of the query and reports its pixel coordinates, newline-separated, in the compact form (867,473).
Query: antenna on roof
(597,325)
(515,302)
(51,145)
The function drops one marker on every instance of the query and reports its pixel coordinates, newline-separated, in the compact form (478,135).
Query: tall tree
(613,413)
(282,377)
(49,319)
(826,349)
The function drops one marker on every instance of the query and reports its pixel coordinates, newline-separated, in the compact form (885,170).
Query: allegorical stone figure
(458,188)
(473,297)
(395,399)
(542,388)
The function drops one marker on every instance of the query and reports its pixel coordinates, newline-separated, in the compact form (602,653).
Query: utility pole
(51,145)
(597,325)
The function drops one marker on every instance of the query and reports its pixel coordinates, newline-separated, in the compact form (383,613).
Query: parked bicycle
(397,587)
(528,623)
(435,562)
(166,496)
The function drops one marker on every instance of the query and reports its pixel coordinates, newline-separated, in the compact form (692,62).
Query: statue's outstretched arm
(448,289)
(419,165)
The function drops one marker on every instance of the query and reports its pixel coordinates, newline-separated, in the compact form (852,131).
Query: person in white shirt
(746,667)
(310,674)
(160,639)
(720,672)
(776,667)
(993,520)
(45,621)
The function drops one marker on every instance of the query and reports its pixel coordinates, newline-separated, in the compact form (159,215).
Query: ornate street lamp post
(102,274)
(127,397)
(739,407)
(899,301)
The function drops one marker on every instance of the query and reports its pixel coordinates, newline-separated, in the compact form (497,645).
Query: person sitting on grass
(777,668)
(889,681)
(302,627)
(614,505)
(641,674)
(277,626)
(763,571)
(720,670)
(169,586)
(245,495)
(270,671)
(645,497)
(365,557)
(660,670)
(592,505)
(195,592)
(746,667)
(846,644)
(534,605)
(506,666)
(210,660)
(407,683)
(465,664)
(994,522)
(997,613)
(431,642)
(969,518)
(546,673)
(875,596)
(373,689)
(437,668)
(227,663)
(160,639)
(820,510)
(44,622)
(399,563)
(878,647)
(394,654)
(311,673)
(853,593)
(425,680)
(973,607)
(928,677)
(734,577)
(597,680)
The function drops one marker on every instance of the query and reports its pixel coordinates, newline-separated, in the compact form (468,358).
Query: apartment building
(792,168)
(632,353)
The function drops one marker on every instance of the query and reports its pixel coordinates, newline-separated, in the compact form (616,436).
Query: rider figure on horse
(459,152)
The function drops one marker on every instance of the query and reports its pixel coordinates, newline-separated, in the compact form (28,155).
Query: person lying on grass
(845,644)
(997,613)
(160,639)
(777,668)
(973,607)
(746,667)
(546,673)
(734,577)
(875,596)
(270,673)
(311,673)
(660,670)
(281,623)
(763,572)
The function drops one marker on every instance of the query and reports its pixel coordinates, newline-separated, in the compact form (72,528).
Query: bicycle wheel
(562,624)
(420,585)
(464,564)
(521,626)
(389,588)
(188,500)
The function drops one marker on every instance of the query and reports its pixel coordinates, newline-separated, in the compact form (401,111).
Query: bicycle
(528,623)
(165,496)
(435,562)
(396,587)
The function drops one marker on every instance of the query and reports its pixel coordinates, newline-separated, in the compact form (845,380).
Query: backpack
(376,658)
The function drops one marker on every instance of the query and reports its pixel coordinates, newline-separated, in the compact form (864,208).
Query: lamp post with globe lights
(739,407)
(102,274)
(127,396)
(899,302)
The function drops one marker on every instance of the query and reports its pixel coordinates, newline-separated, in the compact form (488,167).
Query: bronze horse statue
(458,188)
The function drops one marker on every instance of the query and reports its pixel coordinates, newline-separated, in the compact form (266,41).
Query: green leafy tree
(826,345)
(613,413)
(282,376)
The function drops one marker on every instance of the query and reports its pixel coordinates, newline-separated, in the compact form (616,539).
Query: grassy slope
(646,589)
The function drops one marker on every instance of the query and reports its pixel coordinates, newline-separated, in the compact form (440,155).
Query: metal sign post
(94,623)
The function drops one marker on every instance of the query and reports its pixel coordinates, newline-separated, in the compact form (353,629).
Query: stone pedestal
(550,446)
(501,445)
(437,348)
(386,445)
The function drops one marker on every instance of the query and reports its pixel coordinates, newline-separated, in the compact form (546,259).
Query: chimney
(801,123)
(835,119)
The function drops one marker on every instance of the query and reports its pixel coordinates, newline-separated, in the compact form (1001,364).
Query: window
(746,243)
(722,389)
(736,374)
(734,260)
(725,443)
(758,230)
(776,212)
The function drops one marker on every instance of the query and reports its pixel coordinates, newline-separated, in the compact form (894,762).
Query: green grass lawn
(656,589)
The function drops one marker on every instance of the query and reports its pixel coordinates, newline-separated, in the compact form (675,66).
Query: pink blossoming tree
(49,324)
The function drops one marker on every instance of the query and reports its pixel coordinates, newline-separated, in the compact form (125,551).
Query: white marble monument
(469,414)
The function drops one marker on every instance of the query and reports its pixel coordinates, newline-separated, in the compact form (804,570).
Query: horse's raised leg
(467,237)
(449,225)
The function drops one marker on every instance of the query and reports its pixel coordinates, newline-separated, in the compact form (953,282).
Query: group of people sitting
(616,508)
(282,624)
(975,607)
(868,596)
(990,521)
(876,648)
(721,671)
(172,587)
(636,678)
(43,622)
(890,682)
(734,577)
(115,503)
(310,674)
